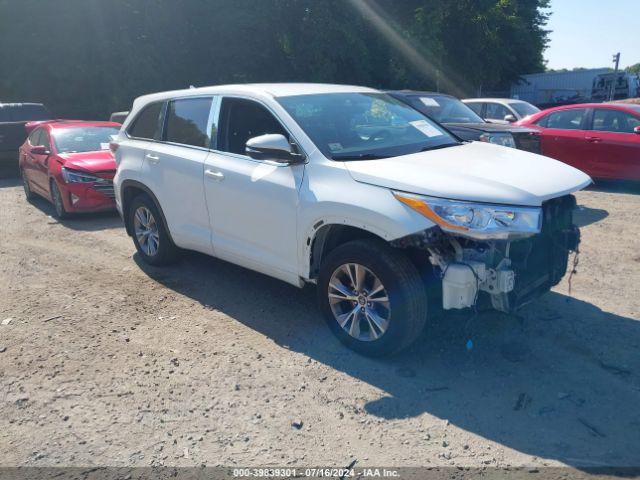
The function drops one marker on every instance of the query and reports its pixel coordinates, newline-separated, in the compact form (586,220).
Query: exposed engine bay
(502,274)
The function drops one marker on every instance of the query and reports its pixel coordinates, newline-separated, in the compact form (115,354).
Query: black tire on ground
(27,188)
(406,293)
(167,252)
(56,198)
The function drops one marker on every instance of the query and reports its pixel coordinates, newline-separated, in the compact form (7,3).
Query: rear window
(524,109)
(147,123)
(475,106)
(187,121)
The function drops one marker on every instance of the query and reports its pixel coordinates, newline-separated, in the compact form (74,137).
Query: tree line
(87,58)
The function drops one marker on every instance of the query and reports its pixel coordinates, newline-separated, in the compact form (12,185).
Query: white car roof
(270,89)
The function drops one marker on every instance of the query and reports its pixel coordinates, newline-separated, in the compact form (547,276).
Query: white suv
(387,212)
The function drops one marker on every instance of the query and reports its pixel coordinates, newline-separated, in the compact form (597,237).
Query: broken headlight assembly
(476,220)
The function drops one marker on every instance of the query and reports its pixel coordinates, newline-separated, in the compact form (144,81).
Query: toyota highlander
(389,214)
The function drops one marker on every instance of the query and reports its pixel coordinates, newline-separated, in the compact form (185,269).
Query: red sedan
(69,163)
(602,139)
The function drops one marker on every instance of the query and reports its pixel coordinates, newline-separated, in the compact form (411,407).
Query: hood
(476,171)
(100,161)
(489,127)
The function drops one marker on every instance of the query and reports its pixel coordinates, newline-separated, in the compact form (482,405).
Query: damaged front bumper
(501,274)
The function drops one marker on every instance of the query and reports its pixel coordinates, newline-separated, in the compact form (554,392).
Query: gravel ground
(106,361)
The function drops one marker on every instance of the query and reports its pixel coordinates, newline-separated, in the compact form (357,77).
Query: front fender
(366,207)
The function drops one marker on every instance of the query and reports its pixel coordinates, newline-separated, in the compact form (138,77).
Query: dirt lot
(106,361)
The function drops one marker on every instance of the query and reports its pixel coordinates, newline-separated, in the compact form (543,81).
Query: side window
(147,123)
(566,119)
(34,137)
(606,120)
(495,111)
(187,121)
(44,139)
(476,107)
(243,119)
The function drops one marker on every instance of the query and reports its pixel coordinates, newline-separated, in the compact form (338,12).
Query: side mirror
(510,118)
(39,150)
(637,130)
(272,146)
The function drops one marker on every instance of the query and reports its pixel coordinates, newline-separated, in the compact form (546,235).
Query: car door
(173,168)
(563,136)
(614,147)
(252,203)
(40,163)
(28,164)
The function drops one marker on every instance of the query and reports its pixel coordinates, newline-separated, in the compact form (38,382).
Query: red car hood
(94,162)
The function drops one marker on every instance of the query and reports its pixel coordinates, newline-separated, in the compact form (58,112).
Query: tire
(29,195)
(56,199)
(155,247)
(404,314)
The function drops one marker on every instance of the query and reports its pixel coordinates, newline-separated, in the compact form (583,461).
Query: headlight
(476,220)
(74,176)
(503,139)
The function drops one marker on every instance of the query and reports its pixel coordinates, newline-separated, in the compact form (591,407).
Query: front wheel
(58,204)
(372,297)
(26,186)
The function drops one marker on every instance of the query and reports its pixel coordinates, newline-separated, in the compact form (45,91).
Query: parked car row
(377,198)
(601,139)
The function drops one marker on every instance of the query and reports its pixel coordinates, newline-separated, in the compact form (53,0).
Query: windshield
(358,126)
(83,139)
(523,108)
(447,110)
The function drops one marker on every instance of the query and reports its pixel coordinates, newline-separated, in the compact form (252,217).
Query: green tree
(87,58)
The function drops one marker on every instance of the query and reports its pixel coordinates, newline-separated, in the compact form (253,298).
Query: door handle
(593,139)
(152,158)
(218,176)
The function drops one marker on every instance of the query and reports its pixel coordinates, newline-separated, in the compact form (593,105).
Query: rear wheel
(26,186)
(58,204)
(372,297)
(150,235)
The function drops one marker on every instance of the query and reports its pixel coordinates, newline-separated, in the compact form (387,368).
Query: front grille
(105,187)
(528,141)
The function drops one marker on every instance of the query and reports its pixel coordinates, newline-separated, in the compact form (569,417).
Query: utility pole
(612,90)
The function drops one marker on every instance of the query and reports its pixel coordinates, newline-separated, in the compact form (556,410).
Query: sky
(586,33)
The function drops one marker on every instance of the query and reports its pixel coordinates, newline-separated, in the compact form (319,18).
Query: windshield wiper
(361,156)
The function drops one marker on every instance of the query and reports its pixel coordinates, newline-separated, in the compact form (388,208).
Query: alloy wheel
(25,185)
(146,231)
(359,302)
